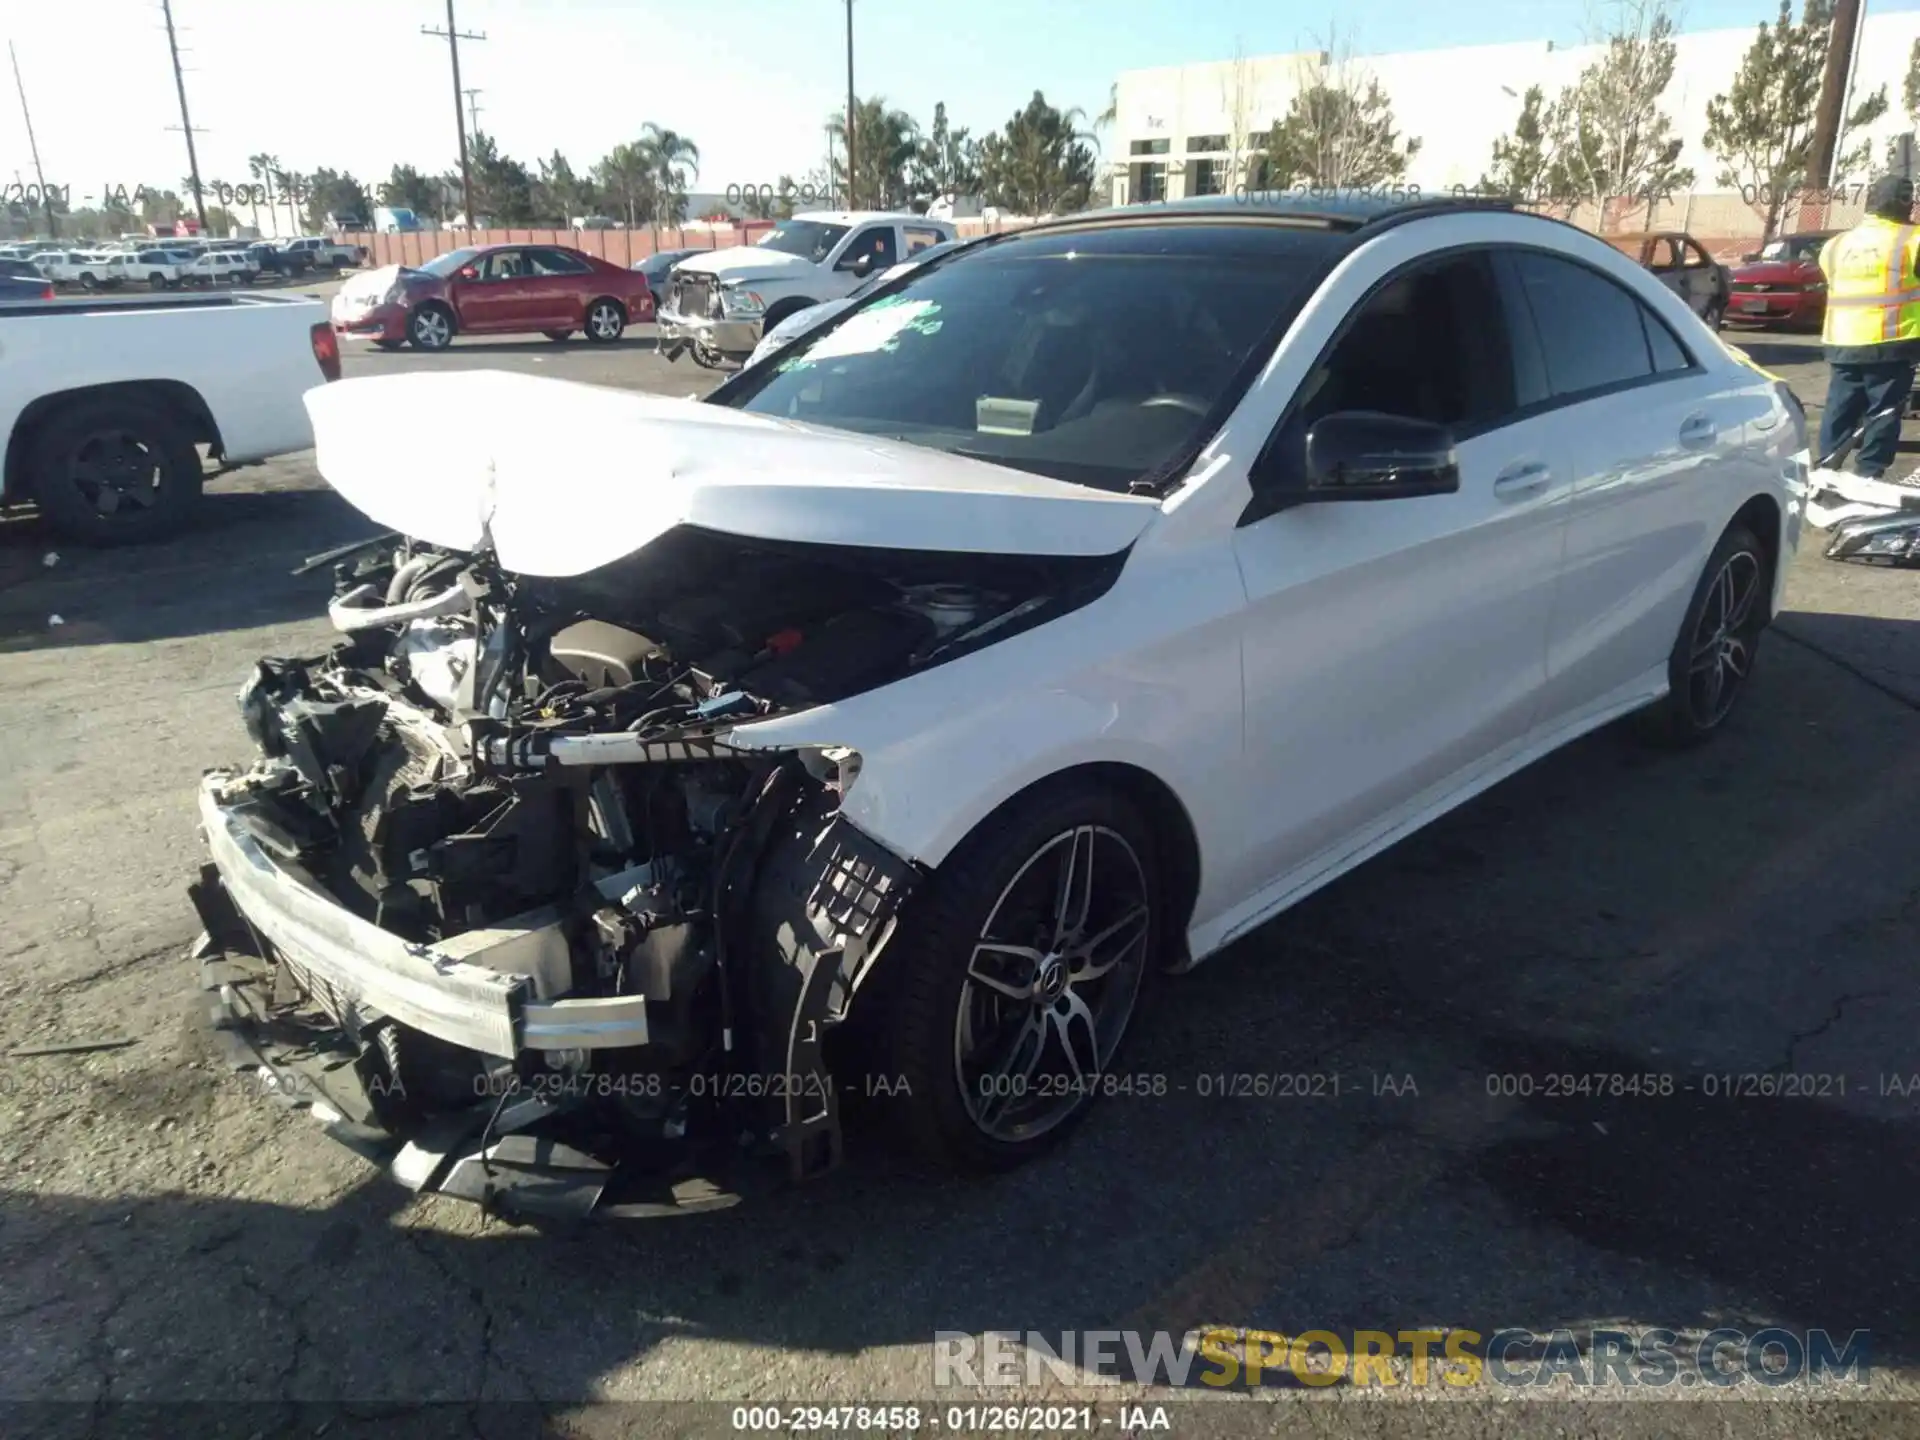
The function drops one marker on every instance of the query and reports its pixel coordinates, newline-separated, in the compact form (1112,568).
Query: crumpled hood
(563,478)
(748,262)
(371,282)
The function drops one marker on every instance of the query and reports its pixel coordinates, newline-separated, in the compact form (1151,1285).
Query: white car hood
(562,478)
(748,262)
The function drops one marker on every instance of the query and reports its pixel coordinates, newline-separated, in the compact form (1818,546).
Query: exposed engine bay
(603,941)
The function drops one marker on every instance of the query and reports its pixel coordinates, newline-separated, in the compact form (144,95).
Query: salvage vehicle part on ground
(877,727)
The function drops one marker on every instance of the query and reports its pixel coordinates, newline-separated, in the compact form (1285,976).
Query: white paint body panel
(250,361)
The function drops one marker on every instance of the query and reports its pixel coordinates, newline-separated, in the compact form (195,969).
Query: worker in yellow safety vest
(1872,331)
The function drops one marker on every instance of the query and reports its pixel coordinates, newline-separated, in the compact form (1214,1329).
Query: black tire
(557,335)
(606,320)
(72,451)
(156,282)
(1739,572)
(422,331)
(938,943)
(89,282)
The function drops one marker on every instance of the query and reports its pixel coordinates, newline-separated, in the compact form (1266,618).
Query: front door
(1393,647)
(500,297)
(876,245)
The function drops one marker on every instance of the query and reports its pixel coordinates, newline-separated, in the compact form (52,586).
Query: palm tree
(675,162)
(263,167)
(289,182)
(887,141)
(628,176)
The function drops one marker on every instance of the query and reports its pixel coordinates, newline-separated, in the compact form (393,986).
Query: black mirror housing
(1364,455)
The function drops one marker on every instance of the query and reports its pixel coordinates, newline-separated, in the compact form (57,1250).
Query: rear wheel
(1023,960)
(606,320)
(430,327)
(1712,660)
(114,472)
(156,281)
(89,281)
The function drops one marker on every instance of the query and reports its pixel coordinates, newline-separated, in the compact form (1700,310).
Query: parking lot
(1752,908)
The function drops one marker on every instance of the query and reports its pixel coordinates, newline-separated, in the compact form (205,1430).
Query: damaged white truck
(887,719)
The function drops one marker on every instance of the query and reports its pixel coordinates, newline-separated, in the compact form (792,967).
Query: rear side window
(555,262)
(1592,332)
(1668,353)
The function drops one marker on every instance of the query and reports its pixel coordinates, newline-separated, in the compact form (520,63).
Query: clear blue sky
(352,84)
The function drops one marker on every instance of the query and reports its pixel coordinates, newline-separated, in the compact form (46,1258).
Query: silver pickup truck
(106,407)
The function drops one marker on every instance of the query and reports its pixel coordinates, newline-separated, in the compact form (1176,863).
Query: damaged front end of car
(500,903)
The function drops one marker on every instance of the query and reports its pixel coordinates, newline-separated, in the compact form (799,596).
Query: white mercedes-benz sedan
(1059,612)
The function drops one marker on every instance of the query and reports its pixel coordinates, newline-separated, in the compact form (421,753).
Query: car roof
(860,217)
(1343,210)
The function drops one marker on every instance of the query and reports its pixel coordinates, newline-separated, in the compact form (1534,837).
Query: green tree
(1041,163)
(333,193)
(675,161)
(407,189)
(1338,132)
(1521,160)
(1761,128)
(1607,132)
(886,143)
(946,162)
(502,186)
(559,194)
(628,178)
(263,168)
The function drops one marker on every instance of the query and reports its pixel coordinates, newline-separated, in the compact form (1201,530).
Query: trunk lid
(562,478)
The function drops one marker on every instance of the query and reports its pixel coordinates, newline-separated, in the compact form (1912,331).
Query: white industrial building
(1185,130)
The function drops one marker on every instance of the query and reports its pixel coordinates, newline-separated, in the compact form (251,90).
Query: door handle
(1523,479)
(1698,431)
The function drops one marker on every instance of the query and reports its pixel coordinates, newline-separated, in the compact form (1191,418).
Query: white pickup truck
(720,304)
(105,407)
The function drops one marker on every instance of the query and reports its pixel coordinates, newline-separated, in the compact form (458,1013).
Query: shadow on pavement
(228,571)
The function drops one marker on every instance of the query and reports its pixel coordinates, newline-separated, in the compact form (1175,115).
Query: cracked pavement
(169,1234)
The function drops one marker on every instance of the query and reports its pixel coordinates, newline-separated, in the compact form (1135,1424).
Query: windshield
(445,265)
(1098,357)
(809,238)
(1804,248)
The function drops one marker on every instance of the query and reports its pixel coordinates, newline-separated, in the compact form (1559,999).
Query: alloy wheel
(1721,656)
(605,322)
(115,470)
(432,330)
(1051,983)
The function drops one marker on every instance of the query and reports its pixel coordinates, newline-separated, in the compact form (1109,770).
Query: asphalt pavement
(1749,909)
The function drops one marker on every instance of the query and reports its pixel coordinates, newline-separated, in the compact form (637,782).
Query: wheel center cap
(1052,982)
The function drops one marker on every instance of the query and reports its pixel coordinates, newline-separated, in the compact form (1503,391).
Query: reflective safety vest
(1873,290)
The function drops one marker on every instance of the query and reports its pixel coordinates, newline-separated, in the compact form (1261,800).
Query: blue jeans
(1857,391)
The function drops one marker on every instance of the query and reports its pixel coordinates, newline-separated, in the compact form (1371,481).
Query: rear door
(557,283)
(1703,276)
(919,237)
(1660,443)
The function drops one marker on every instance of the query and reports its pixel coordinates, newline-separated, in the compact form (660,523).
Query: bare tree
(1237,101)
(1608,133)
(1338,131)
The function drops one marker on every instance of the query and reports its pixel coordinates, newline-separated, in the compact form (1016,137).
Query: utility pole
(473,111)
(186,123)
(853,200)
(1833,94)
(46,200)
(453,35)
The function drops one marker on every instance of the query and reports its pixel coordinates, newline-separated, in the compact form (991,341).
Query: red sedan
(493,290)
(1782,285)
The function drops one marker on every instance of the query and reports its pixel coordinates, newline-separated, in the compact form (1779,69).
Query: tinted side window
(555,262)
(1589,327)
(1668,354)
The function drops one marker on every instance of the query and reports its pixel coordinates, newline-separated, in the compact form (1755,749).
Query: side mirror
(863,267)
(1361,455)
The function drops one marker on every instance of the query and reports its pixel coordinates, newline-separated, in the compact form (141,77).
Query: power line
(453,35)
(46,200)
(186,122)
